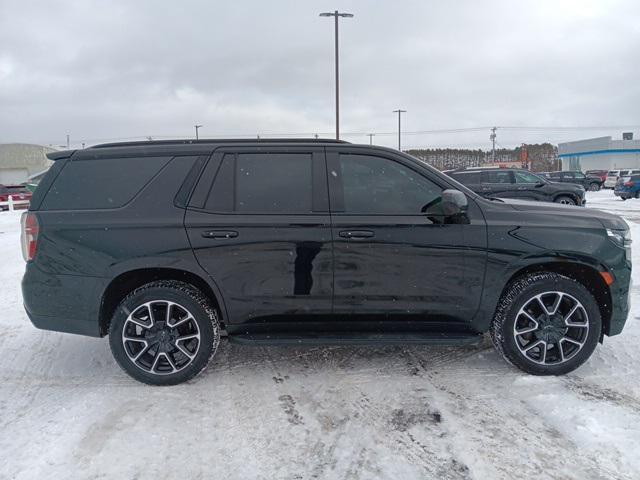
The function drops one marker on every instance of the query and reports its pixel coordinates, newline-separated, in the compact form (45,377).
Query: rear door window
(263,183)
(467,178)
(497,176)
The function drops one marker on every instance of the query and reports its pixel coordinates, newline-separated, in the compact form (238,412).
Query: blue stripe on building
(599,152)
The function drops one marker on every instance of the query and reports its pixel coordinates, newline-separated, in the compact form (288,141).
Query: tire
(565,200)
(561,355)
(594,187)
(172,319)
(638,194)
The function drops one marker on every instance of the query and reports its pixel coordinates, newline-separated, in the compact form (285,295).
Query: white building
(18,161)
(602,153)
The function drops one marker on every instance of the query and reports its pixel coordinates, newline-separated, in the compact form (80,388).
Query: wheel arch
(123,284)
(587,275)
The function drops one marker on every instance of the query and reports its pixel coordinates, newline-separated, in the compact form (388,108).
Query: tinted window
(376,185)
(104,183)
(555,175)
(526,177)
(263,183)
(496,176)
(467,178)
(579,175)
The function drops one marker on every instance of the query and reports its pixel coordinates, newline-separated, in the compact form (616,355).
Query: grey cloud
(118,69)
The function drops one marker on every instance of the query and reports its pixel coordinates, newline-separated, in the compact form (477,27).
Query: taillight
(629,184)
(29,235)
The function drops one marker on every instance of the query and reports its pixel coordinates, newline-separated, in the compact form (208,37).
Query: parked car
(614,175)
(19,193)
(589,182)
(601,174)
(161,245)
(519,184)
(628,187)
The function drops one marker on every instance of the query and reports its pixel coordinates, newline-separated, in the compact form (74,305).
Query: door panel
(263,233)
(399,261)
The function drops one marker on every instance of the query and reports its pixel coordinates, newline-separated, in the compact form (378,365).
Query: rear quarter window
(101,183)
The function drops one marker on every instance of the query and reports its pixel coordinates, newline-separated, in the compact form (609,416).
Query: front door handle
(356,234)
(220,234)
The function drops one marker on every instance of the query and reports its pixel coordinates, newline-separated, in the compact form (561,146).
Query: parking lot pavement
(67,411)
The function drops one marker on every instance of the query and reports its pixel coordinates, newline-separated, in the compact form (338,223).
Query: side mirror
(449,208)
(454,202)
(539,184)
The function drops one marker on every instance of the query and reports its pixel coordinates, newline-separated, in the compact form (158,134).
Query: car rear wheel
(546,324)
(164,333)
(565,200)
(594,187)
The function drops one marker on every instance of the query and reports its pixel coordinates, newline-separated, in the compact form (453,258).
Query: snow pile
(67,411)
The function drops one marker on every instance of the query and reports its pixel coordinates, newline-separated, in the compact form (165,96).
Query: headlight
(622,238)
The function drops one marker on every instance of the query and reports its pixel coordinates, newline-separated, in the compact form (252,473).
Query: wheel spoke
(168,320)
(168,357)
(185,351)
(142,352)
(187,337)
(533,345)
(181,321)
(556,304)
(155,362)
(559,346)
(571,340)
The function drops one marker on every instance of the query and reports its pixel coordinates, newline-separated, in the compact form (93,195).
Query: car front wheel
(594,187)
(164,333)
(546,324)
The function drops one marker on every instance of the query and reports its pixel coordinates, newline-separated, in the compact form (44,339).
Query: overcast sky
(108,70)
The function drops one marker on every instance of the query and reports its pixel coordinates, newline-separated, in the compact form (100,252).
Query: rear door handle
(356,234)
(220,234)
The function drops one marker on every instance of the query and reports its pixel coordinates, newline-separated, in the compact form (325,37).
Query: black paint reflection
(306,252)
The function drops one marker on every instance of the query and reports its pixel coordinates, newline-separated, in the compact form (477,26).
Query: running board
(357,338)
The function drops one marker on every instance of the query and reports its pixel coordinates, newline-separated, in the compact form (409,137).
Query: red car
(17,192)
(597,173)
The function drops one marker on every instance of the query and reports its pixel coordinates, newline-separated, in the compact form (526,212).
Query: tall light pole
(337,14)
(197,127)
(371,135)
(399,112)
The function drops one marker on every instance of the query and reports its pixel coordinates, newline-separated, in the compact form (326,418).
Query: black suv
(163,245)
(519,184)
(589,182)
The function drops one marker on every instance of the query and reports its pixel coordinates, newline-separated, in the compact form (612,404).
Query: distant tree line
(536,157)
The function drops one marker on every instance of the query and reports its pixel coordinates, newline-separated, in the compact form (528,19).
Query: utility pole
(67,142)
(197,127)
(492,137)
(371,135)
(399,112)
(337,14)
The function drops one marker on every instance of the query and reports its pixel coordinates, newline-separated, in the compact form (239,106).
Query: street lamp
(337,14)
(399,112)
(371,135)
(197,127)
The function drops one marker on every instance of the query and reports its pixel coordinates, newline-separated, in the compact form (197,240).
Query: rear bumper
(62,303)
(624,194)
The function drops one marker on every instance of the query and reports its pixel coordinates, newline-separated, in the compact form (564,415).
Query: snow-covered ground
(68,411)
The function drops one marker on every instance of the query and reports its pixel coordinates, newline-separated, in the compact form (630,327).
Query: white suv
(613,175)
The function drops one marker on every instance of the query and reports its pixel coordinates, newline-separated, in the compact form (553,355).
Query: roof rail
(222,140)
